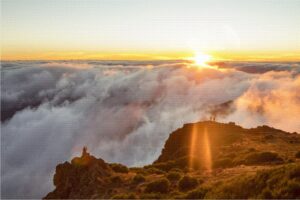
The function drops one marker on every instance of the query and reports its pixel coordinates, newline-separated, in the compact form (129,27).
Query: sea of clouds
(124,111)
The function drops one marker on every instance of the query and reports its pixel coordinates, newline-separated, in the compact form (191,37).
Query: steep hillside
(200,160)
(212,144)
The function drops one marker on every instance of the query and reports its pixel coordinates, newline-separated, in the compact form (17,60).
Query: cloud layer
(124,111)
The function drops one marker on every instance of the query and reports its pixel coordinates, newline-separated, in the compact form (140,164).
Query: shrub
(294,172)
(183,162)
(297,155)
(124,196)
(158,186)
(266,194)
(153,170)
(164,166)
(187,183)
(116,180)
(138,179)
(278,183)
(175,194)
(223,163)
(173,176)
(152,196)
(176,170)
(197,194)
(136,169)
(240,187)
(263,157)
(119,168)
(291,190)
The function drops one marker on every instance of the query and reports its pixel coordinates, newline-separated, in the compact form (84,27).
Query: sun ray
(200,149)
(207,151)
(193,146)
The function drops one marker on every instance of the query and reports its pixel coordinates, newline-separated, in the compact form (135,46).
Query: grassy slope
(259,163)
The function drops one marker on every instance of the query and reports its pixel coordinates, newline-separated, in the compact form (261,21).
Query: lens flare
(200,149)
(193,147)
(207,151)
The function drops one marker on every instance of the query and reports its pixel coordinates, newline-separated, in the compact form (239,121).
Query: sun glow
(207,151)
(201,59)
(200,149)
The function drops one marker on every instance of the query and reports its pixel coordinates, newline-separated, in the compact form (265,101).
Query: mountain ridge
(194,158)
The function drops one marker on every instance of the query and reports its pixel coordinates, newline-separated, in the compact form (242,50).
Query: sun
(201,59)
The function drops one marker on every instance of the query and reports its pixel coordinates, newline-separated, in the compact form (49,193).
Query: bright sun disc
(201,59)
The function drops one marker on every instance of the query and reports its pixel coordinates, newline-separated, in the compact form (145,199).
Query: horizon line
(179,59)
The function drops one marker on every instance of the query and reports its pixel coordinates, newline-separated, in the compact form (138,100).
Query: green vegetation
(119,168)
(252,158)
(197,194)
(263,157)
(138,179)
(223,163)
(252,167)
(153,170)
(249,157)
(178,163)
(187,183)
(173,176)
(164,166)
(116,180)
(124,196)
(153,196)
(158,186)
(279,183)
(176,170)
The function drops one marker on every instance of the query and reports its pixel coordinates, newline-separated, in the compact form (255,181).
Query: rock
(214,149)
(84,177)
(193,140)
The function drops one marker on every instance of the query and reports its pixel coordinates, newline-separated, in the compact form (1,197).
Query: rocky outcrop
(84,177)
(210,150)
(226,145)
(216,135)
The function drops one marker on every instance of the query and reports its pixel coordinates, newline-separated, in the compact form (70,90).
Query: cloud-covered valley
(124,111)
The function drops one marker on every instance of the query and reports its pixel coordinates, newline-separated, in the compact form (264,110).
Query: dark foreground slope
(201,160)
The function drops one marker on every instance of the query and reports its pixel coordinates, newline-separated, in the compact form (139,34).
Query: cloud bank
(124,111)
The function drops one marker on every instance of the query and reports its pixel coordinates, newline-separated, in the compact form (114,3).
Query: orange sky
(265,30)
(160,55)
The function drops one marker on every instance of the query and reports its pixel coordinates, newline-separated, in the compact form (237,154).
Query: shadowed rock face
(224,147)
(81,178)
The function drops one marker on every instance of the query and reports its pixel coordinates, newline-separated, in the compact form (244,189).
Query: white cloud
(123,112)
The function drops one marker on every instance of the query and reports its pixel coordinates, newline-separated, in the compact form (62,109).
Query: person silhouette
(84,152)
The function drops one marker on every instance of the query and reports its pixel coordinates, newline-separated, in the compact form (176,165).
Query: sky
(141,29)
